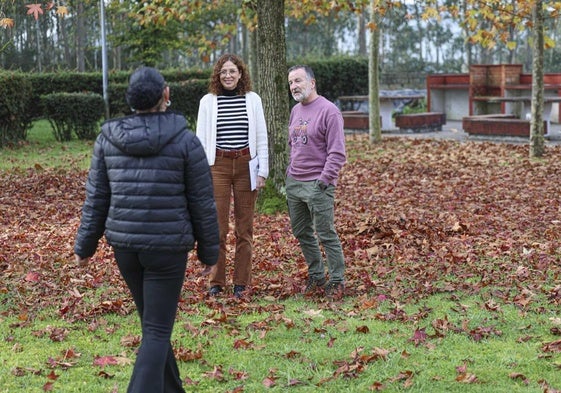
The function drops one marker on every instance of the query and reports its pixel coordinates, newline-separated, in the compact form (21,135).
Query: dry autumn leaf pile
(416,217)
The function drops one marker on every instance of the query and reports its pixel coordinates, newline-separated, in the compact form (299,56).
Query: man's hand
(321,185)
(81,261)
(208,270)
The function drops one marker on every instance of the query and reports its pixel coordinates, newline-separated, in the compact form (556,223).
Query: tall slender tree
(536,127)
(374,73)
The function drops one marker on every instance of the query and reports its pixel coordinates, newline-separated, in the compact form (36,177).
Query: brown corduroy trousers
(231,177)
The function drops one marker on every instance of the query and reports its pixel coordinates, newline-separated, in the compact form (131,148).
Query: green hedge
(84,82)
(185,97)
(340,76)
(335,77)
(73,113)
(16,95)
(20,94)
(79,113)
(46,83)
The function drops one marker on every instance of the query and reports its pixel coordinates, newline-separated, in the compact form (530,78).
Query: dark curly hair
(145,88)
(244,84)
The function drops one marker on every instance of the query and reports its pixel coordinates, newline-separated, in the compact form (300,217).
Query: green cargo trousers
(312,218)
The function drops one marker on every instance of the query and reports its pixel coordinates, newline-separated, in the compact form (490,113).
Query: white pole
(104,58)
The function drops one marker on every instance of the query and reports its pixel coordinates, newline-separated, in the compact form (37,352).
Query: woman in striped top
(232,129)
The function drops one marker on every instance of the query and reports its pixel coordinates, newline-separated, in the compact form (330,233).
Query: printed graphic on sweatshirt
(299,134)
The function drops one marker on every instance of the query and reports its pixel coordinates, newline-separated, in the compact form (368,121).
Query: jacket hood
(144,134)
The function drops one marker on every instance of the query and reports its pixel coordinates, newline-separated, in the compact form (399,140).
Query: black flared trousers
(155,282)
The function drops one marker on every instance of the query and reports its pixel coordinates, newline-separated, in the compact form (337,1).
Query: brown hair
(244,84)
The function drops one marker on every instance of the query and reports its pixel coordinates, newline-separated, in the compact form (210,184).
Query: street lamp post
(104,58)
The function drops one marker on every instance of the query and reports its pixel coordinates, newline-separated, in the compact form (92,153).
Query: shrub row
(25,97)
(343,76)
(80,113)
(44,83)
(73,82)
(73,113)
(15,102)
(185,96)
(76,113)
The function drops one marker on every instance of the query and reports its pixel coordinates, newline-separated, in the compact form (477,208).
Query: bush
(185,97)
(335,77)
(117,102)
(15,101)
(417,106)
(80,82)
(61,82)
(77,113)
(340,76)
(270,201)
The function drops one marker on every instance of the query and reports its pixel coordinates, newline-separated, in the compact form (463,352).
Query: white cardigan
(258,138)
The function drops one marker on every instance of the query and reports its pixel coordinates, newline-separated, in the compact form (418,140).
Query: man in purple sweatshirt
(317,154)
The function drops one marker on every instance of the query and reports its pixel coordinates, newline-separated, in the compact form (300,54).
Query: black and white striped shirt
(232,123)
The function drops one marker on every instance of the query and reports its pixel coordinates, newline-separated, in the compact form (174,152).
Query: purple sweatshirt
(317,142)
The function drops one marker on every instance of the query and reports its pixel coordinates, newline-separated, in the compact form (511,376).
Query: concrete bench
(421,122)
(498,125)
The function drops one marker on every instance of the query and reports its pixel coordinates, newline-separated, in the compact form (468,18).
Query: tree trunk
(80,38)
(468,48)
(66,45)
(273,85)
(39,52)
(361,35)
(420,31)
(536,127)
(252,58)
(374,76)
(245,42)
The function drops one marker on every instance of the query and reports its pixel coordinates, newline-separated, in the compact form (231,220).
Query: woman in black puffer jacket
(149,190)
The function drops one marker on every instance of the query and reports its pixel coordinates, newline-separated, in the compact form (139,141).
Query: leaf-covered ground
(416,217)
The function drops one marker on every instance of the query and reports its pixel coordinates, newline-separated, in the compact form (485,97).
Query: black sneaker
(334,290)
(215,290)
(238,290)
(314,284)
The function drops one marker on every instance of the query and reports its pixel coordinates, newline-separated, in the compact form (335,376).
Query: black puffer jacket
(150,189)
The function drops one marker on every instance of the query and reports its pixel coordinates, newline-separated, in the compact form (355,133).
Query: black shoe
(334,290)
(238,290)
(314,284)
(215,290)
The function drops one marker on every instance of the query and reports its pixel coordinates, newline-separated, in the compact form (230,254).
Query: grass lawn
(41,150)
(442,344)
(446,321)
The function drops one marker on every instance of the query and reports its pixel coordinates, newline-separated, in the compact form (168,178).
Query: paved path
(453,130)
